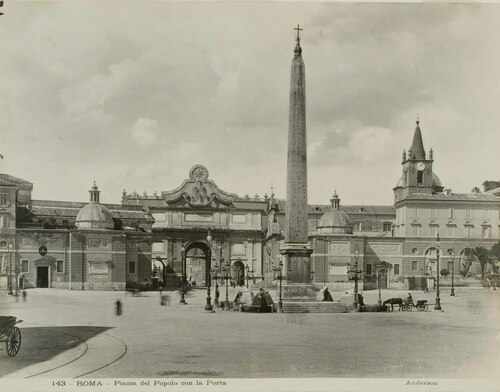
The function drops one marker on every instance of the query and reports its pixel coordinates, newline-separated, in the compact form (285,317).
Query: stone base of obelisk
(298,286)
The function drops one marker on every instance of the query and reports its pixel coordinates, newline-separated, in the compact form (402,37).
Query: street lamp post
(354,272)
(215,275)
(9,248)
(278,274)
(183,274)
(452,254)
(249,274)
(208,305)
(226,276)
(438,300)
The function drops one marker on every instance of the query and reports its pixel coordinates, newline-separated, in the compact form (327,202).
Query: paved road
(72,334)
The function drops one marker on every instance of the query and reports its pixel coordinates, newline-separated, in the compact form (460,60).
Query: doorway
(238,273)
(42,277)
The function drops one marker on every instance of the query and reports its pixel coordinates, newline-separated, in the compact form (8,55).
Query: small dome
(335,221)
(435,180)
(402,180)
(94,215)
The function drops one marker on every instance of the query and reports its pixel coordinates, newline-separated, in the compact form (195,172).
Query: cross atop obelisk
(298,32)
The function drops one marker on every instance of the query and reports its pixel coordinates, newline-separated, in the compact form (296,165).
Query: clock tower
(417,176)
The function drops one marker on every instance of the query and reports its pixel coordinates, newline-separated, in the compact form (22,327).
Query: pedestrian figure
(24,295)
(360,300)
(118,307)
(326,295)
(164,300)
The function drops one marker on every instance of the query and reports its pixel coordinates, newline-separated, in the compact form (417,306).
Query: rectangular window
(396,269)
(468,213)
(60,266)
(65,222)
(415,230)
(25,266)
(192,217)
(97,243)
(158,246)
(159,217)
(414,265)
(467,231)
(450,231)
(356,226)
(238,249)
(4,221)
(486,231)
(131,267)
(486,214)
(3,198)
(432,230)
(338,270)
(387,226)
(239,218)
(451,213)
(368,269)
(433,213)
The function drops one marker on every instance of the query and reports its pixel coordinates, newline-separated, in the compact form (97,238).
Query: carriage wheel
(426,307)
(420,308)
(406,307)
(13,342)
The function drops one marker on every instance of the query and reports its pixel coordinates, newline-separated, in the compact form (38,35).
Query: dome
(402,181)
(94,215)
(335,221)
(435,180)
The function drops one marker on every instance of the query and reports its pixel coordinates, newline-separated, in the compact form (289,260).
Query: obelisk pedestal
(296,249)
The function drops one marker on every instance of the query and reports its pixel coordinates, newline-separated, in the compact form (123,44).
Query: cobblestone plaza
(71,334)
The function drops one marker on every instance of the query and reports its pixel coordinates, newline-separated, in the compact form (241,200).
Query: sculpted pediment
(198,191)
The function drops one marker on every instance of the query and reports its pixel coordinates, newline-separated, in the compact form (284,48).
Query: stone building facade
(87,246)
(77,246)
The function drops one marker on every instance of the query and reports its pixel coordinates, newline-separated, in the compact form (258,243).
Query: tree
(470,257)
(444,272)
(475,190)
(495,256)
(495,251)
(483,257)
(489,185)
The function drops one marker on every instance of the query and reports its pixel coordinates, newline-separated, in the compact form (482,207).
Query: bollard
(118,307)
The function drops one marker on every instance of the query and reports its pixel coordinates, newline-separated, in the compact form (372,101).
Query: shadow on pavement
(40,344)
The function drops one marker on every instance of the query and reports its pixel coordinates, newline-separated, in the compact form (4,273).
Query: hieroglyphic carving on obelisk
(296,227)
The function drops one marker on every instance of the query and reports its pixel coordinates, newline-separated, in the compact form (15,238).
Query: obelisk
(296,249)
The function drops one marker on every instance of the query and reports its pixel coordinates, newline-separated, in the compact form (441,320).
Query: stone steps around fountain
(314,307)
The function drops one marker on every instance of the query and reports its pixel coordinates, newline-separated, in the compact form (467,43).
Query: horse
(394,301)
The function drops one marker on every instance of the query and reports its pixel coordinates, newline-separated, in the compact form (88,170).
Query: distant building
(104,246)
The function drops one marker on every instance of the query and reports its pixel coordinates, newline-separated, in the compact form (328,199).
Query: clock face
(420,166)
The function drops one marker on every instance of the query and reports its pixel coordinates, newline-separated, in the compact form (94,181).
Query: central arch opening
(197,259)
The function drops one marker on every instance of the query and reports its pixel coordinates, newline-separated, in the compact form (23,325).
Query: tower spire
(417,146)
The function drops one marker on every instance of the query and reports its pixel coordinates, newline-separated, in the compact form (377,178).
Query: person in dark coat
(360,300)
(118,307)
(326,295)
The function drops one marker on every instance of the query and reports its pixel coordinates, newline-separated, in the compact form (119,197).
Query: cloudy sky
(133,94)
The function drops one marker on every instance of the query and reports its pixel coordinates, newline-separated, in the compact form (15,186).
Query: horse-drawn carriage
(10,334)
(421,305)
(406,304)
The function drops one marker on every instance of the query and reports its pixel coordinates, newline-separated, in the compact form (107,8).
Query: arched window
(420,177)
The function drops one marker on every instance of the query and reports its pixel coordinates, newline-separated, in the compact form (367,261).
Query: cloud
(145,131)
(135,95)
